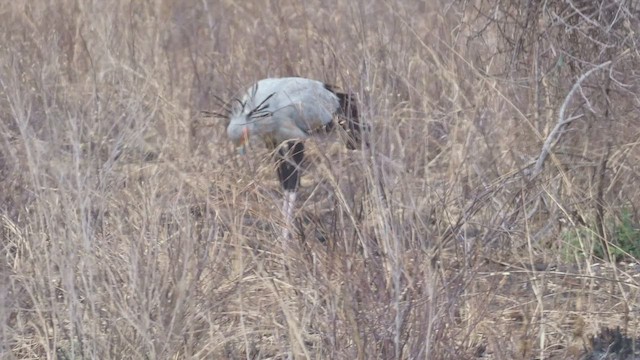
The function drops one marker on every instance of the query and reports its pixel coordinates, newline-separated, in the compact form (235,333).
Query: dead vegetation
(494,215)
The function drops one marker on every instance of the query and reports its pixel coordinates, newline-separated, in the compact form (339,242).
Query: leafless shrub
(503,148)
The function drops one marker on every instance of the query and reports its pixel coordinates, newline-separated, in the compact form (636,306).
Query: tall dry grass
(130,229)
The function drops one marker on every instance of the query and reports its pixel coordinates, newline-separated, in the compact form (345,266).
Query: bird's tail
(349,120)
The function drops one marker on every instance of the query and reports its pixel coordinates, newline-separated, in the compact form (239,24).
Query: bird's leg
(287,210)
(291,155)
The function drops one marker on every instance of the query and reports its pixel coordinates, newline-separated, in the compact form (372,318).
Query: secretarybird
(283,112)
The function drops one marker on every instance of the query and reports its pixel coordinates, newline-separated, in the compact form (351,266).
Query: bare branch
(562,122)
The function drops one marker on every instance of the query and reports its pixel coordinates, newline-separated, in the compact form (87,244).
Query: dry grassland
(494,216)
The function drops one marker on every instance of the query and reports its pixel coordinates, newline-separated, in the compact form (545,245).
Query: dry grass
(130,230)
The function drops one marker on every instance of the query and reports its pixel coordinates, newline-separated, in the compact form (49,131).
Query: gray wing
(307,102)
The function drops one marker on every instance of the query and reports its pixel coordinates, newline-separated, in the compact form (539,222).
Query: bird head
(243,116)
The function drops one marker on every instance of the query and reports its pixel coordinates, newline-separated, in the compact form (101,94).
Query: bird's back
(305,101)
(281,109)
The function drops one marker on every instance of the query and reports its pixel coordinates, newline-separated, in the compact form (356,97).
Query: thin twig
(562,122)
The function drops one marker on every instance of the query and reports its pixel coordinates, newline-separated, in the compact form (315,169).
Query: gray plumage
(281,109)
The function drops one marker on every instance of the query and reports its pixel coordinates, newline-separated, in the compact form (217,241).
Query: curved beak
(244,141)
